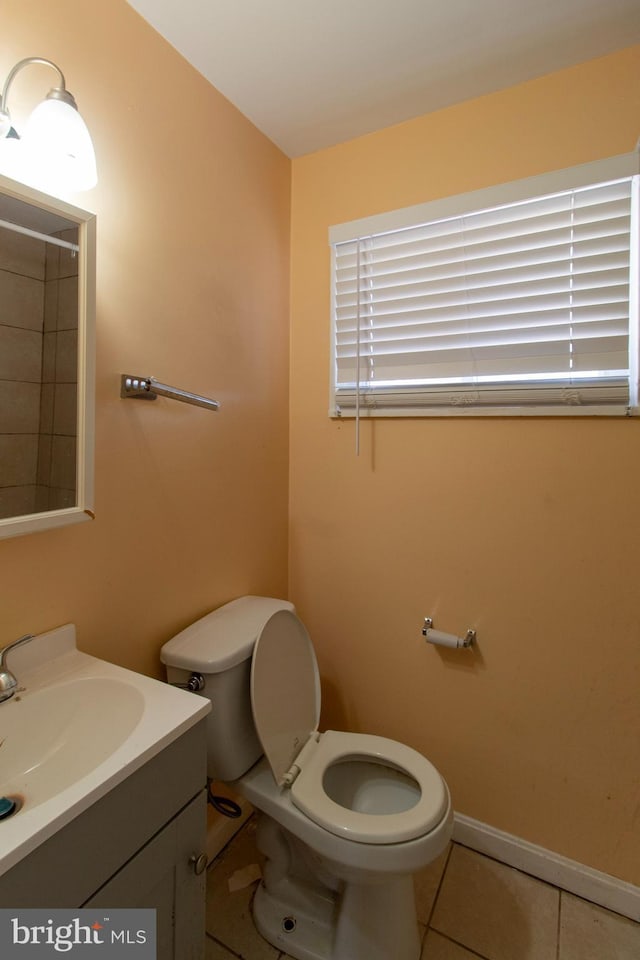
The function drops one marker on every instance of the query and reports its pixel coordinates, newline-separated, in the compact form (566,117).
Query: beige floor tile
(427,882)
(229,914)
(588,932)
(214,951)
(498,912)
(437,947)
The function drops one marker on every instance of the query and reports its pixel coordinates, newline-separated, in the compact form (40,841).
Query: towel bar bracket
(136,388)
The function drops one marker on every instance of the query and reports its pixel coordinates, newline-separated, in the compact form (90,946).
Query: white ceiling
(312,73)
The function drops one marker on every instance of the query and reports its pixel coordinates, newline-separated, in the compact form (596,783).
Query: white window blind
(522,306)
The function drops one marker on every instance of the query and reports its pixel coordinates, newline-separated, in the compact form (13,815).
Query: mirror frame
(85,450)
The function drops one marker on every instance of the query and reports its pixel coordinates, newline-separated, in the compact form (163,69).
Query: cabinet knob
(199,863)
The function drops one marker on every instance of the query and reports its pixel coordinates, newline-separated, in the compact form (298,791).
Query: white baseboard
(599,888)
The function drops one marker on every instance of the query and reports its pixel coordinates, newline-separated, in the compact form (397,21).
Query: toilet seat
(285,695)
(309,794)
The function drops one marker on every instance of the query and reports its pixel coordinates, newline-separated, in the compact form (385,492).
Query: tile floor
(470,908)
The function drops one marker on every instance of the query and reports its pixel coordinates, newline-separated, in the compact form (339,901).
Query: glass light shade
(57,143)
(17,163)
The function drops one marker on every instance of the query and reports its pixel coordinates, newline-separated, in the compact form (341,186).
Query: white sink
(54,737)
(76,727)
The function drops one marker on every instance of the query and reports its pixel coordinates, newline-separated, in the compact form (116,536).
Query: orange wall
(193,209)
(525,529)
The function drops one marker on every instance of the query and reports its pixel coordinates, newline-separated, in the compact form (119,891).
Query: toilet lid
(285,690)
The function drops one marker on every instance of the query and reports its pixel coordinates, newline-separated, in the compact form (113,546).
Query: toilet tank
(220,646)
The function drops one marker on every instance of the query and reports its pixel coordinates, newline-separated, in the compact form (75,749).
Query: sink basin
(76,727)
(53,737)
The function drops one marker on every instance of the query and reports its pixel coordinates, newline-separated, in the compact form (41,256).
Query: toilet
(344,819)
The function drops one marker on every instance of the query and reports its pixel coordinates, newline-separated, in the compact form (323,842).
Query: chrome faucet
(8,683)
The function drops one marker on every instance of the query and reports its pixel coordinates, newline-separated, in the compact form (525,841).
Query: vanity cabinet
(135,847)
(162,876)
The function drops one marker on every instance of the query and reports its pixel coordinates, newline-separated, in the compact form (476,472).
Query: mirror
(47,320)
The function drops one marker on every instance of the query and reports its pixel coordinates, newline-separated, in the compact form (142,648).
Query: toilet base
(304,932)
(365,922)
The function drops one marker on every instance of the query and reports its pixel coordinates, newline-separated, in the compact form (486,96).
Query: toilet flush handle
(195,683)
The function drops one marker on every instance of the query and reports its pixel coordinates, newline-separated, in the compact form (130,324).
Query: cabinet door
(161,876)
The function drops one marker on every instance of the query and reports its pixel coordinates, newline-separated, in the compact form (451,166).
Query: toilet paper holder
(442,639)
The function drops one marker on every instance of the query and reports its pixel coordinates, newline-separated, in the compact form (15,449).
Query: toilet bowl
(368,789)
(373,860)
(344,819)
(326,896)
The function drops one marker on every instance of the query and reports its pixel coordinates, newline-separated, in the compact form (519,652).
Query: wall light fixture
(55,151)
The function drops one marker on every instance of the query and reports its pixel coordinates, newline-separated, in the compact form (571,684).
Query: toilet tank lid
(223,638)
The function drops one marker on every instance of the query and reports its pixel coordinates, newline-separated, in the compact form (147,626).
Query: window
(517,299)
